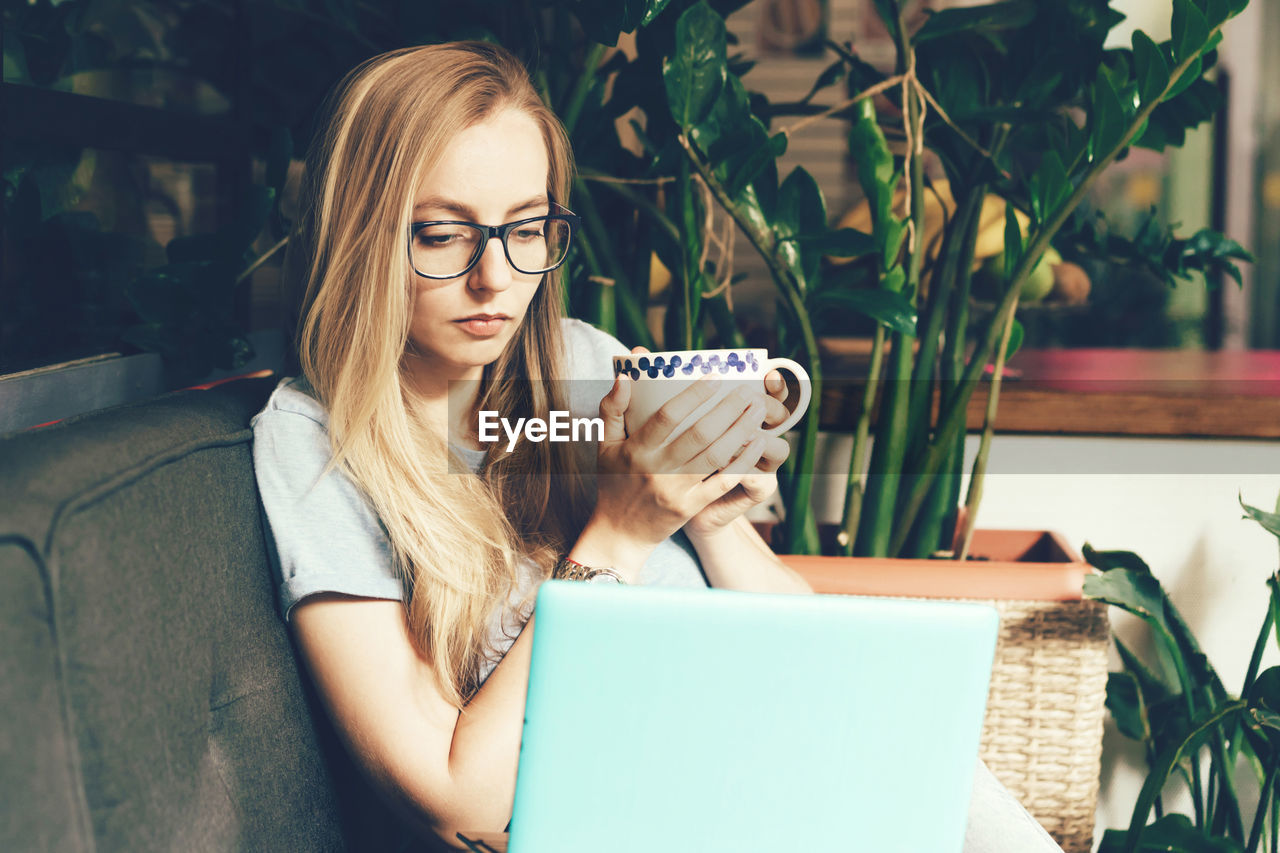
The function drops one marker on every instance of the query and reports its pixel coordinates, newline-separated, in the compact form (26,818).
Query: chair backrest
(152,700)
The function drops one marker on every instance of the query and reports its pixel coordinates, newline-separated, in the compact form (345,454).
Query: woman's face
(491,173)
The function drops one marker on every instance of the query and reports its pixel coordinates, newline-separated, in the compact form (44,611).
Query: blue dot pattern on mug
(659,366)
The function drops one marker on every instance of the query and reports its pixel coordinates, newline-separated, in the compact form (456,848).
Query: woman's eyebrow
(461,210)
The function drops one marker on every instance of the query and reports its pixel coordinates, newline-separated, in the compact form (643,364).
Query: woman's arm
(446,770)
(735,557)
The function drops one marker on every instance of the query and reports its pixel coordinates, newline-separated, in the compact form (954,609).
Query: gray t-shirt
(325,536)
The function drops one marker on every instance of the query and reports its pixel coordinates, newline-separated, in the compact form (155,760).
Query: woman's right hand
(652,482)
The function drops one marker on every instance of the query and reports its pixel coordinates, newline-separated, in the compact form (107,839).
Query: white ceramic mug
(659,376)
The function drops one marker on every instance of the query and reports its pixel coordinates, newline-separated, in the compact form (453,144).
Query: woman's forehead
(492,168)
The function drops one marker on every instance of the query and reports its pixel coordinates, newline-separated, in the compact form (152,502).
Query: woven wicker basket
(1042,736)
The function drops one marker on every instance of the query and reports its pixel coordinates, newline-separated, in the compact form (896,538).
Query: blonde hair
(455,537)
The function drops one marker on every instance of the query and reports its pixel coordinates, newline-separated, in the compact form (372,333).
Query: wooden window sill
(1185,393)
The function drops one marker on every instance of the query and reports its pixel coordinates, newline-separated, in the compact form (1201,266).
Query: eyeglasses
(443,249)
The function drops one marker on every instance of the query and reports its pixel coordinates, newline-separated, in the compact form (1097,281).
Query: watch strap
(572,570)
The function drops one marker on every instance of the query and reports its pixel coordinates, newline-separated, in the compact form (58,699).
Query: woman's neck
(448,400)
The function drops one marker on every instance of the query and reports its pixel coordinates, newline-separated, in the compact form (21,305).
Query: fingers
(614,406)
(775,386)
(775,412)
(736,472)
(717,437)
(776,451)
(663,422)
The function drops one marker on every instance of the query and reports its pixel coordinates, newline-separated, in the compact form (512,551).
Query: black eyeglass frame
(499,231)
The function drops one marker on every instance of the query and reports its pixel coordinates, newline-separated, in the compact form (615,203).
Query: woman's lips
(483,325)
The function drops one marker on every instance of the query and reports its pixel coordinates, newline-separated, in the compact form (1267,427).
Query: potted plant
(1024,109)
(1190,726)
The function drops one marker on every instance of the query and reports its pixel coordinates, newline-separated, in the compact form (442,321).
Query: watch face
(601,577)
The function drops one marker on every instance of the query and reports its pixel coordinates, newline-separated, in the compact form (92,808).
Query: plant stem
(638,200)
(578,97)
(1265,798)
(979,474)
(263,258)
(952,419)
(798,526)
(858,456)
(630,313)
(885,474)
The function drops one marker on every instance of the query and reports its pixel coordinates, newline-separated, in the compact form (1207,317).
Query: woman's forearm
(486,745)
(485,749)
(735,557)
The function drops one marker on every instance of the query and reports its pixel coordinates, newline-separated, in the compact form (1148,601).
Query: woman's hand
(652,482)
(760,483)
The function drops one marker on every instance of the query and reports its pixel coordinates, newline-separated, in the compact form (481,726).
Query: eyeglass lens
(447,249)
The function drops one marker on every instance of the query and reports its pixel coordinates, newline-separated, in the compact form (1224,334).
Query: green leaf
(1265,692)
(696,72)
(653,8)
(1012,239)
(1187,79)
(756,163)
(888,16)
(1015,340)
(840,243)
(1173,833)
(1136,593)
(878,180)
(894,279)
(1171,119)
(1155,783)
(1049,187)
(1152,71)
(887,307)
(1216,12)
(990,18)
(1124,701)
(1190,29)
(801,210)
(830,75)
(1270,522)
(1106,116)
(729,130)
(1108,560)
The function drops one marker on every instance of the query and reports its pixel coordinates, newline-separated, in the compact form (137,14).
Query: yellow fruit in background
(1036,286)
(939,207)
(659,276)
(990,242)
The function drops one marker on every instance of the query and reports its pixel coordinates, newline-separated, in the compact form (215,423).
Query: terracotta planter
(1023,565)
(1042,736)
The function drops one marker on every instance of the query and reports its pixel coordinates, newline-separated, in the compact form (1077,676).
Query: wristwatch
(572,570)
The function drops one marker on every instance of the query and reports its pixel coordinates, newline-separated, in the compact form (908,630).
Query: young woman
(409,551)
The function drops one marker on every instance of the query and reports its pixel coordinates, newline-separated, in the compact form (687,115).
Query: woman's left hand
(758,486)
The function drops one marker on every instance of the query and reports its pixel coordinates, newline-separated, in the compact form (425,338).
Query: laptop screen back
(680,719)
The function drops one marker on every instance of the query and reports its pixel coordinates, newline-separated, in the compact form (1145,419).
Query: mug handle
(806,392)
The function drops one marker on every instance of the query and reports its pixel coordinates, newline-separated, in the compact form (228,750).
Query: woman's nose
(492,272)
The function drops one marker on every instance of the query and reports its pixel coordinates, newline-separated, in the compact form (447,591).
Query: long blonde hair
(455,537)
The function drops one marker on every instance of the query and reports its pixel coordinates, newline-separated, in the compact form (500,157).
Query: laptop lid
(676,719)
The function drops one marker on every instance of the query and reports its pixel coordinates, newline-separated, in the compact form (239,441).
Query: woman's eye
(530,233)
(434,237)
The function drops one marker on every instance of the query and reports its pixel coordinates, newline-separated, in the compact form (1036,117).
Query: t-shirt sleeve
(326,536)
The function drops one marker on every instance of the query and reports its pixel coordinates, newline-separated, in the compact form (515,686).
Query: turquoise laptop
(692,720)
